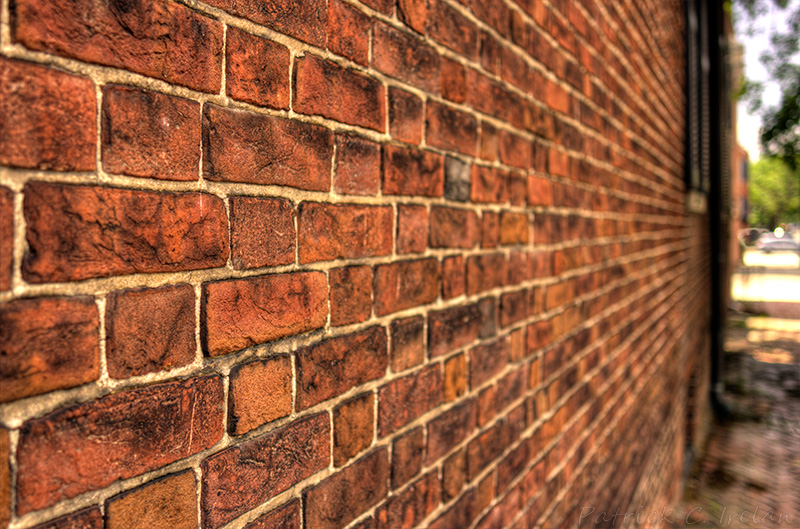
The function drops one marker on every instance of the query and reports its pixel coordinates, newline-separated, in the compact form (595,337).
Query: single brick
(514,228)
(453,228)
(540,191)
(490,142)
(412,172)
(487,405)
(405,284)
(414,13)
(260,392)
(89,446)
(486,360)
(47,118)
(240,313)
(405,57)
(287,516)
(407,454)
(515,150)
(302,20)
(331,367)
(89,518)
(149,330)
(452,328)
(353,427)
(408,508)
(6,237)
(454,81)
(456,179)
(451,129)
(412,228)
(343,231)
(449,429)
(252,148)
(155,38)
(149,134)
(351,294)
(514,307)
(490,229)
(47,344)
(246,475)
(342,497)
(408,347)
(454,474)
(455,377)
(454,279)
(488,309)
(449,27)
(79,232)
(326,89)
(358,166)
(485,272)
(404,399)
(256,70)
(262,232)
(405,116)
(348,32)
(488,185)
(169,502)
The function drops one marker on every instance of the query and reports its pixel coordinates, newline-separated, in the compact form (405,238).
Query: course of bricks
(327,264)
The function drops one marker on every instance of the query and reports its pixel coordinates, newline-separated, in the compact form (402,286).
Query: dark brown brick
(149,134)
(449,429)
(404,399)
(6,237)
(287,516)
(453,228)
(244,312)
(259,392)
(332,367)
(412,229)
(167,502)
(405,57)
(149,330)
(407,454)
(513,307)
(335,231)
(450,129)
(412,172)
(89,518)
(252,148)
(353,427)
(358,166)
(485,448)
(246,475)
(410,507)
(262,232)
(405,116)
(89,446)
(455,377)
(47,344)
(348,32)
(405,284)
(302,20)
(351,294)
(79,232)
(459,515)
(256,70)
(452,328)
(487,360)
(47,118)
(408,347)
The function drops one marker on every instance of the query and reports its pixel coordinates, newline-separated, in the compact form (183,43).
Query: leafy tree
(774,193)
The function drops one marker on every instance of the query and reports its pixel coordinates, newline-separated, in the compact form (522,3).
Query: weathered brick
(451,129)
(167,502)
(490,229)
(456,179)
(414,13)
(489,142)
(240,313)
(149,330)
(513,307)
(455,377)
(89,518)
(151,37)
(454,282)
(454,474)
(47,344)
(453,228)
(488,185)
(252,148)
(487,360)
(330,368)
(256,70)
(353,427)
(412,229)
(487,405)
(6,237)
(348,32)
(405,284)
(412,172)
(335,231)
(79,232)
(405,116)
(410,507)
(262,232)
(407,454)
(243,476)
(358,166)
(259,392)
(351,294)
(449,27)
(488,309)
(150,135)
(452,328)
(47,118)
(515,150)
(408,348)
(89,446)
(485,272)
(485,448)
(302,20)
(460,514)
(287,516)
(405,57)
(326,89)
(384,6)
(514,228)
(454,81)
(342,497)
(449,429)
(404,399)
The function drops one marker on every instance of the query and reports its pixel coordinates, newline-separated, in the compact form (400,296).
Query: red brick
(454,281)
(451,129)
(453,228)
(512,387)
(336,231)
(496,15)
(407,454)
(358,166)
(287,516)
(328,90)
(6,237)
(489,142)
(252,148)
(515,150)
(485,448)
(517,182)
(455,377)
(246,475)
(449,429)
(151,37)
(351,294)
(408,508)
(540,191)
(454,474)
(47,344)
(514,228)
(452,328)
(517,351)
(485,492)
(486,360)
(485,272)
(454,81)
(408,348)
(167,502)
(262,232)
(79,232)
(353,427)
(488,185)
(89,446)
(490,229)
(259,392)
(491,52)
(404,399)
(405,284)
(539,335)
(331,367)
(89,518)
(348,32)
(412,172)
(302,20)
(487,405)
(405,57)
(405,116)
(342,497)
(5,478)
(449,27)
(412,229)
(384,6)
(47,118)
(513,307)
(414,13)
(459,515)
(256,70)
(240,313)
(149,330)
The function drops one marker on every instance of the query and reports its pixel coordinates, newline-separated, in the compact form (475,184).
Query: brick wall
(375,264)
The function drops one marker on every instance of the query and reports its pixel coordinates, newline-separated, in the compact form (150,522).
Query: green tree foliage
(774,193)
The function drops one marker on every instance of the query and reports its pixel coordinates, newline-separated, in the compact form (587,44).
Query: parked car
(768,242)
